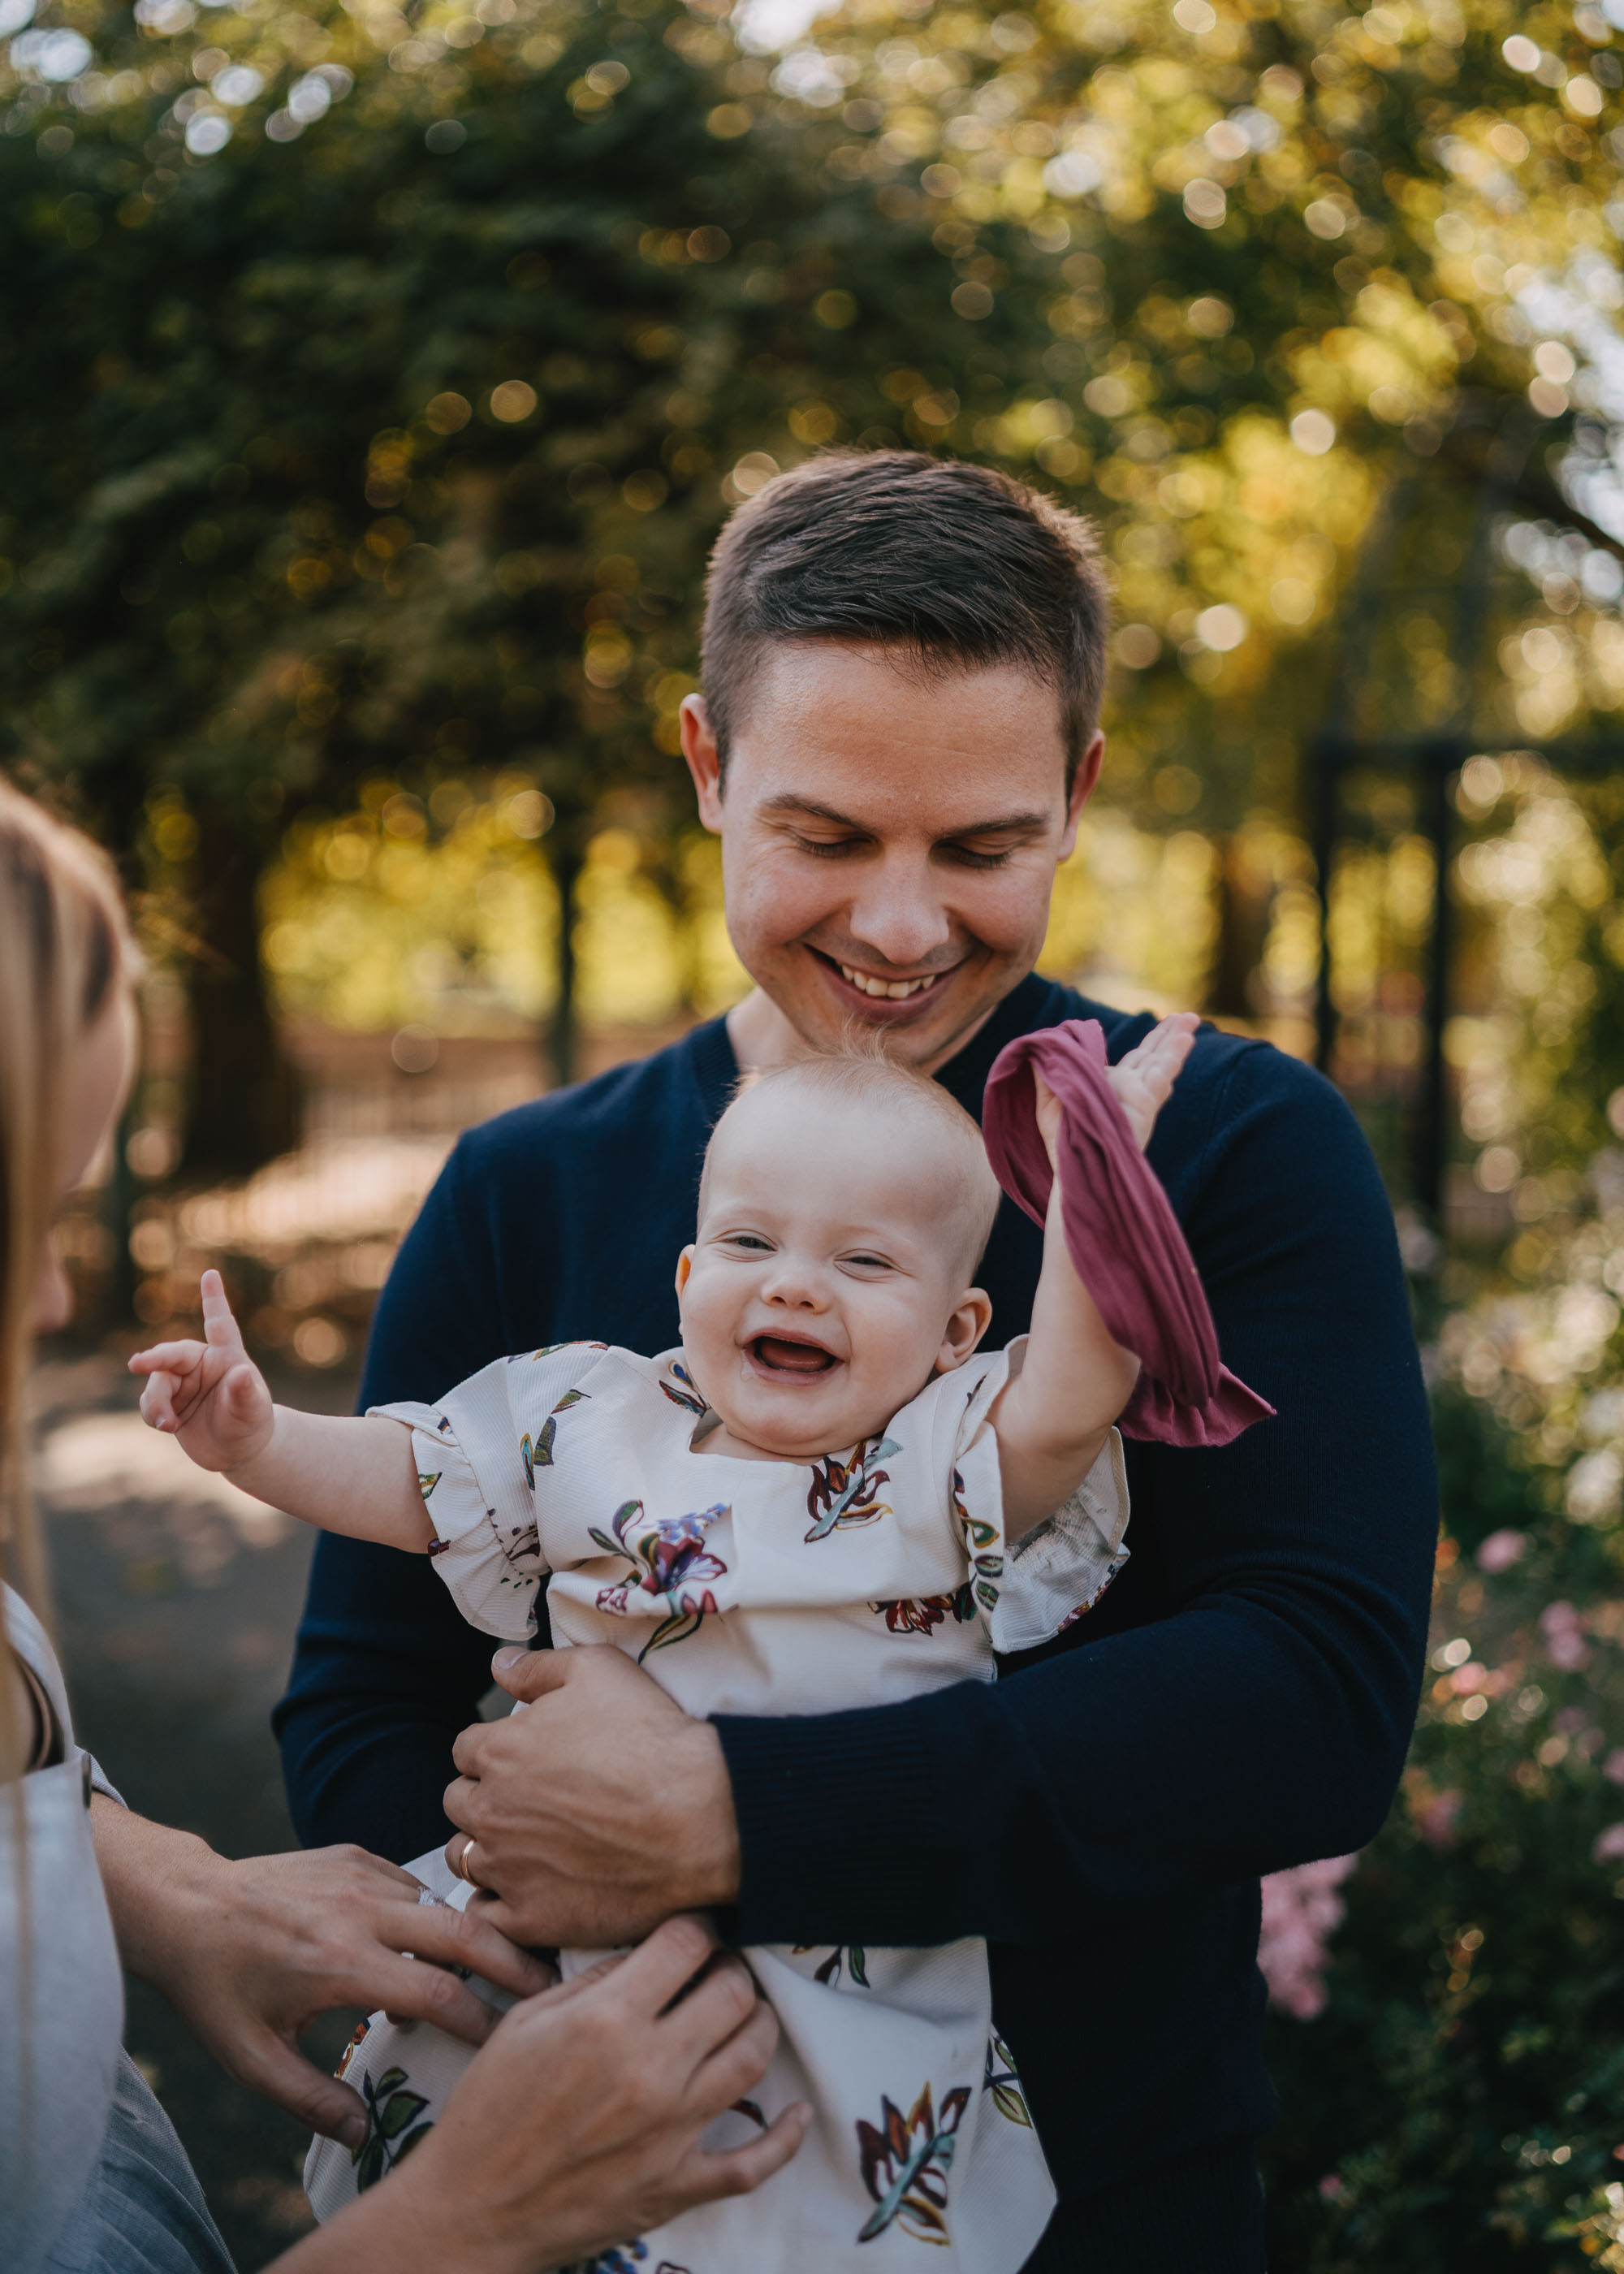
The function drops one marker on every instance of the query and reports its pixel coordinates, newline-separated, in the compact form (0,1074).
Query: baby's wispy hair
(860,1073)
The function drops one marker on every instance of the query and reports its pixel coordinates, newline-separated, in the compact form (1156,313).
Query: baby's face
(825,1286)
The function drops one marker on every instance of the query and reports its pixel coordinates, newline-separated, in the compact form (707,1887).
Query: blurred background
(374,380)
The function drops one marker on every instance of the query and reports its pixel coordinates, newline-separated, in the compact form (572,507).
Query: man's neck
(761,1036)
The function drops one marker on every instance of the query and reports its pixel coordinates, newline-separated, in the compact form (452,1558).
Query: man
(903,665)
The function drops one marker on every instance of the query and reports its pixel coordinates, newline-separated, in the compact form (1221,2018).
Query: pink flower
(1609,1845)
(1501,1550)
(1612,1768)
(1434,1819)
(1564,1637)
(1301,1911)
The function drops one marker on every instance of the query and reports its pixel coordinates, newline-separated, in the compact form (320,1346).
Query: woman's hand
(578,2126)
(250,1953)
(209,1395)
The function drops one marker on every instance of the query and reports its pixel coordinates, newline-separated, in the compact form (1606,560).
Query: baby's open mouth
(778,1354)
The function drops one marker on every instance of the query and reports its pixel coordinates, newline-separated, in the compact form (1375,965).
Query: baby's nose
(795,1287)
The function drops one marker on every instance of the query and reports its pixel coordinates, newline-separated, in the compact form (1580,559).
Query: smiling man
(903,668)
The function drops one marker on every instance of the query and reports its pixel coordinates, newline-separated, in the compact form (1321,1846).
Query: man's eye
(829,849)
(972,858)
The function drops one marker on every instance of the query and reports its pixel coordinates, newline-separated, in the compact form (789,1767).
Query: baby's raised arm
(1053,1419)
(343,1474)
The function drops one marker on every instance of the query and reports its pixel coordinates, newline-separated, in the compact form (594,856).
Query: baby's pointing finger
(219,1325)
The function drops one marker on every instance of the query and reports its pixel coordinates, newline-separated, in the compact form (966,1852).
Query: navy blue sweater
(1240,1700)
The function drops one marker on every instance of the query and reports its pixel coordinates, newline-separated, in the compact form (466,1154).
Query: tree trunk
(243,1109)
(562,1038)
(1243,926)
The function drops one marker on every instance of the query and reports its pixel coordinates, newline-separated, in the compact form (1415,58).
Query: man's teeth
(897,989)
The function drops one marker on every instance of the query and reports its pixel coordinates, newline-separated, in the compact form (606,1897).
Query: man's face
(889,839)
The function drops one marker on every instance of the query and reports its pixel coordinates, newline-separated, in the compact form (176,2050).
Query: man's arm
(385,1671)
(1264,1723)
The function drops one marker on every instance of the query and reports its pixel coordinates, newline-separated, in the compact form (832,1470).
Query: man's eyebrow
(787,802)
(1003,824)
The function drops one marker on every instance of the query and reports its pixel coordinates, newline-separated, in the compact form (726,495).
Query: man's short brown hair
(952,566)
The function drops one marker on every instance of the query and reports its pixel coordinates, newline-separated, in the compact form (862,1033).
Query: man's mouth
(885,991)
(781,1355)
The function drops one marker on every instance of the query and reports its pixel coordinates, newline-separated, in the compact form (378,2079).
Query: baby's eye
(749,1239)
(867,1262)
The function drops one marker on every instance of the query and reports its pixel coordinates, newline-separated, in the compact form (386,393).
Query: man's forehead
(842,725)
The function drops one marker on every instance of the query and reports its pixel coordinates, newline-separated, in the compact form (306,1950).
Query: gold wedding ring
(463,1872)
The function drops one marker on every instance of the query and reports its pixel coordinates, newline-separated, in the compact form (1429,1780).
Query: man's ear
(1083,783)
(972,1317)
(685,1264)
(704,761)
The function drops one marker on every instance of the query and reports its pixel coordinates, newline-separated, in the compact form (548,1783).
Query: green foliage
(1460,2103)
(388,443)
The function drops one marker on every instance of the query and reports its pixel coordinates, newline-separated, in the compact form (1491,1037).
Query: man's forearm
(1194,1752)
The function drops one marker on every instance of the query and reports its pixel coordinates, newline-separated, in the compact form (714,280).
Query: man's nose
(899,912)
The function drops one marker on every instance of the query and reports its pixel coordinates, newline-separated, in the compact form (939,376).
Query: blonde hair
(860,1075)
(65,947)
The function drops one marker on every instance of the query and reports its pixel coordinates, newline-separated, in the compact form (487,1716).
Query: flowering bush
(1301,1911)
(1451,2060)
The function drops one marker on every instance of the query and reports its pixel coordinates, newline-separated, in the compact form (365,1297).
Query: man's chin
(925,1031)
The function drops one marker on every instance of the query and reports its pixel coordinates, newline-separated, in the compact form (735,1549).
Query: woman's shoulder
(30,1643)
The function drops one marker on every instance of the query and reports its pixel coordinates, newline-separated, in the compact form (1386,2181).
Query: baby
(824,1498)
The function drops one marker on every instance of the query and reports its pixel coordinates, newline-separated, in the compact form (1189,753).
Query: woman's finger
(703,2177)
(665,1962)
(276,2070)
(426,1994)
(733,2064)
(714,2010)
(452,1938)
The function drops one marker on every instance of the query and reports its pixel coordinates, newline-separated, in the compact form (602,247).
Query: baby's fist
(209,1395)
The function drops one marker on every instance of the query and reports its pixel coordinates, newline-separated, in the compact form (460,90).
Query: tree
(376,387)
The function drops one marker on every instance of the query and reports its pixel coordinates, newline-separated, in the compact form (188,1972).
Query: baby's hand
(210,1395)
(1143,1080)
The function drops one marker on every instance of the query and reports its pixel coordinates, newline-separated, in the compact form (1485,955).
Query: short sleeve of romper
(477,1451)
(1031,1592)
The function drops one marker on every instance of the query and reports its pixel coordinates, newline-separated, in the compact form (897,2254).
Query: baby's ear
(685,1264)
(970,1318)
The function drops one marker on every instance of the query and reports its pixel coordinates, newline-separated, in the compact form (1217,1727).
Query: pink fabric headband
(1122,1233)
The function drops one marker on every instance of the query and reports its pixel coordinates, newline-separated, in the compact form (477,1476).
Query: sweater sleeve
(385,1671)
(1258,1714)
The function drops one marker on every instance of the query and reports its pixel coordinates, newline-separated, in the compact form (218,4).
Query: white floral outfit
(768,1587)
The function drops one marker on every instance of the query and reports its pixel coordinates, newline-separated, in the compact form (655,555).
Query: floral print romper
(766,1587)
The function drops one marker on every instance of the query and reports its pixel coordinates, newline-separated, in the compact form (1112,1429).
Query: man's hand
(209,1395)
(598,1812)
